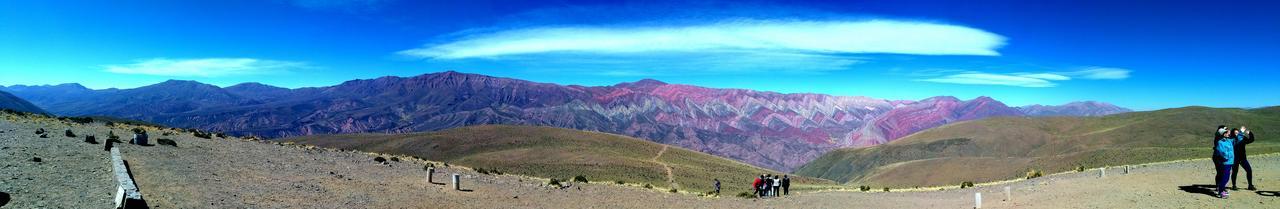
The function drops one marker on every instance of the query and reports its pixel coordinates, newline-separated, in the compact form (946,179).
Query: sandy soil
(231,173)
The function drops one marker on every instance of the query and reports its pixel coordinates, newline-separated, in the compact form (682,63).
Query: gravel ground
(234,173)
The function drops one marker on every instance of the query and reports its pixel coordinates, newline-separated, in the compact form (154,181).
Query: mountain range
(10,102)
(768,129)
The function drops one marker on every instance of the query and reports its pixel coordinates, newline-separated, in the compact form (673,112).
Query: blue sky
(1138,54)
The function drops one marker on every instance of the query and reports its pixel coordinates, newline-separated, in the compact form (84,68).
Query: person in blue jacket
(1224,154)
(1242,158)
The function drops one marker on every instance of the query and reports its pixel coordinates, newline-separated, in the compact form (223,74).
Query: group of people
(1229,155)
(771,185)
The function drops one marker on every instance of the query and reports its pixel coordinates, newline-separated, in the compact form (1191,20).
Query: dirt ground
(232,173)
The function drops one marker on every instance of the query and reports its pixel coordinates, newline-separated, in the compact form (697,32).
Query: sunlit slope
(1005,148)
(560,153)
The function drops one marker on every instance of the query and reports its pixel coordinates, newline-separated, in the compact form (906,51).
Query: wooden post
(430,172)
(977,200)
(456,182)
(1126,169)
(1008,195)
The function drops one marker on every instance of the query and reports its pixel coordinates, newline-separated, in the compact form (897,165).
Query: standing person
(777,186)
(1242,158)
(765,188)
(717,187)
(786,185)
(1224,152)
(757,185)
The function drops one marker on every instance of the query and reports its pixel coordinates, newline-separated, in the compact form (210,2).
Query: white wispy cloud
(1035,80)
(204,67)
(979,78)
(1102,73)
(864,36)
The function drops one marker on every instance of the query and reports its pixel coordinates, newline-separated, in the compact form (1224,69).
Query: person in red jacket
(756,186)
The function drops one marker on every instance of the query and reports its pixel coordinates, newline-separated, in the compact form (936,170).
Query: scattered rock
(70,134)
(169,142)
(40,131)
(36,159)
(380,160)
(91,139)
(44,136)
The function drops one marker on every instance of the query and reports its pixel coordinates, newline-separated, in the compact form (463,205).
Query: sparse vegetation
(395,159)
(557,153)
(673,190)
(746,195)
(864,188)
(554,182)
(580,178)
(886,189)
(488,171)
(620,182)
(201,134)
(1080,168)
(379,160)
(966,184)
(648,186)
(1033,173)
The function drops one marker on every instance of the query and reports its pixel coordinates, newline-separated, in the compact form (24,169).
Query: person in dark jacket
(1242,158)
(786,185)
(717,186)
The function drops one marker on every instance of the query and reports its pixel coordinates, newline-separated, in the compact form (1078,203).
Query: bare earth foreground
(233,173)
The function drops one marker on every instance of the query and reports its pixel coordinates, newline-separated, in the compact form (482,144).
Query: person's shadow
(1269,193)
(1199,189)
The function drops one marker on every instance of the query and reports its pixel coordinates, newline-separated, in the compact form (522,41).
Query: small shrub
(109,123)
(91,139)
(446,165)
(166,133)
(648,186)
(138,130)
(886,189)
(580,178)
(554,182)
(864,188)
(673,190)
(39,131)
(1033,173)
(1080,168)
(379,159)
(69,134)
(202,135)
(966,184)
(746,195)
(220,135)
(395,159)
(619,182)
(428,166)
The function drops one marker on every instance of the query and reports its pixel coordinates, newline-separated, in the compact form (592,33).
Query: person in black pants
(786,185)
(1242,159)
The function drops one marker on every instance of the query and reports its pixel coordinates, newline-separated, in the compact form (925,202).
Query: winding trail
(670,177)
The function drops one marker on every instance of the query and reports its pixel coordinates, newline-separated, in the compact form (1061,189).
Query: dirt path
(671,178)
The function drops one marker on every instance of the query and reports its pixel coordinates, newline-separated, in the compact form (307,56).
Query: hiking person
(777,186)
(786,185)
(756,186)
(1224,152)
(717,186)
(1242,158)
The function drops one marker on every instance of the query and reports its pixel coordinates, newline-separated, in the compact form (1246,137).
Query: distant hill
(560,153)
(768,129)
(11,102)
(1085,108)
(1005,148)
